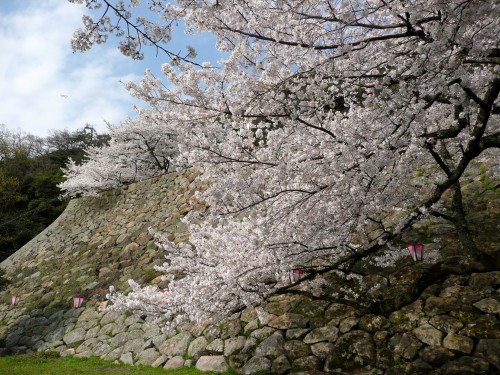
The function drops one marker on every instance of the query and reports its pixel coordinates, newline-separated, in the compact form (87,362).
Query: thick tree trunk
(467,243)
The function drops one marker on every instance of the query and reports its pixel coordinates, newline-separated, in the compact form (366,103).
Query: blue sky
(44,86)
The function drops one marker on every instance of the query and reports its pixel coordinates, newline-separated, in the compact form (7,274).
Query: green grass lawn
(53,364)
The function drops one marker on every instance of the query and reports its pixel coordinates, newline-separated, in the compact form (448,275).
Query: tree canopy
(138,149)
(30,169)
(331,128)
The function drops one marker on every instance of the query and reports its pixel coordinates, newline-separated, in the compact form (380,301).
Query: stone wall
(452,328)
(449,327)
(102,241)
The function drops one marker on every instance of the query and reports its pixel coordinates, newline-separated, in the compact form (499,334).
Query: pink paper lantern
(15,300)
(416,251)
(295,275)
(77,301)
(370,90)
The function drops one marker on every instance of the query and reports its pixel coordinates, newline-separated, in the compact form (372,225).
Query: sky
(45,86)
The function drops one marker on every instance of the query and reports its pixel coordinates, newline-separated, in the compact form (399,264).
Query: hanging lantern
(15,300)
(77,301)
(416,251)
(295,275)
(371,89)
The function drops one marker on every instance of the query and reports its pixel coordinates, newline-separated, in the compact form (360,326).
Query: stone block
(92,332)
(352,352)
(405,345)
(306,364)
(251,326)
(490,349)
(379,337)
(87,345)
(212,363)
(271,347)
(234,345)
(230,328)
(327,333)
(86,325)
(311,308)
(347,324)
(262,333)
(159,361)
(458,343)
(174,363)
(339,311)
(113,355)
(296,349)
(107,329)
(137,327)
(111,316)
(197,346)
(248,315)
(485,327)
(75,337)
(429,335)
(322,349)
(263,316)
(159,340)
(480,280)
(407,318)
(147,357)
(151,330)
(67,352)
(288,320)
(127,358)
(212,332)
(436,356)
(465,365)
(101,349)
(440,305)
(216,347)
(373,323)
(281,365)
(119,340)
(465,314)
(297,333)
(488,305)
(177,345)
(256,364)
(56,335)
(237,361)
(278,307)
(136,345)
(446,323)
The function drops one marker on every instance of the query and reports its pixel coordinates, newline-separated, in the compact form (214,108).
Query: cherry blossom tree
(331,128)
(140,148)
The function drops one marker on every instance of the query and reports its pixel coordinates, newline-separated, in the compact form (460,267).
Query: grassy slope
(51,364)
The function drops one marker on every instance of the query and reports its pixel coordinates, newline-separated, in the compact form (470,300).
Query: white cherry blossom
(332,127)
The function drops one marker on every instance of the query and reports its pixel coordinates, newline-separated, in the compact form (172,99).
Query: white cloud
(44,86)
